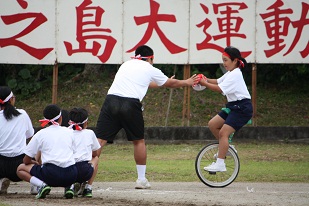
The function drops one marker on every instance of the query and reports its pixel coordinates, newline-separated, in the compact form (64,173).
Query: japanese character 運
(229,24)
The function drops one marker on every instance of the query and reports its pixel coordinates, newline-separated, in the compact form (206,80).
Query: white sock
(141,172)
(36,181)
(220,161)
(87,186)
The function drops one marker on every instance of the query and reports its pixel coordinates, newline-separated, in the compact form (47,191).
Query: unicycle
(206,156)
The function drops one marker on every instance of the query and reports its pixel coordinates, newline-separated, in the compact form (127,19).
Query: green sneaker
(43,191)
(87,192)
(69,193)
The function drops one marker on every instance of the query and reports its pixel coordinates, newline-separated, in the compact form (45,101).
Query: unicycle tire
(206,156)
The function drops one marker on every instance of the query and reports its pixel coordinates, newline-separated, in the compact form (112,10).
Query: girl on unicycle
(233,86)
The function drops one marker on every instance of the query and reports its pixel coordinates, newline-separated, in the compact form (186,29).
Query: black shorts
(241,112)
(8,167)
(85,171)
(54,175)
(117,113)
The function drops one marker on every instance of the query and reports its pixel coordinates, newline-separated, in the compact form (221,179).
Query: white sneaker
(4,184)
(215,167)
(34,190)
(142,184)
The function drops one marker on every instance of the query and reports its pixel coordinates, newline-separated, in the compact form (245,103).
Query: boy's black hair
(234,53)
(78,115)
(51,111)
(9,110)
(144,51)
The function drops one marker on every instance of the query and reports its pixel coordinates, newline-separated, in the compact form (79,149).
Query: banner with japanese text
(179,31)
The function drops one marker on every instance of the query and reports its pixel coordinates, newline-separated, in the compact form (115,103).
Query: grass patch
(260,162)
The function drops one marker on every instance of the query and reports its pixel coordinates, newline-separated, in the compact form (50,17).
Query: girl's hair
(9,110)
(234,53)
(78,115)
(144,51)
(51,111)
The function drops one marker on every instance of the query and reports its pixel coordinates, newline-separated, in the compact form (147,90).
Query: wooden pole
(186,98)
(254,96)
(55,83)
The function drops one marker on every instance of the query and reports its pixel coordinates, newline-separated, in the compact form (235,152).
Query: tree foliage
(27,79)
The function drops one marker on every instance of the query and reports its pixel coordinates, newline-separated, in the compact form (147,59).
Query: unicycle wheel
(206,156)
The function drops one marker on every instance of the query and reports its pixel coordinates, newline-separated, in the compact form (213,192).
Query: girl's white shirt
(133,78)
(56,144)
(233,86)
(85,142)
(14,133)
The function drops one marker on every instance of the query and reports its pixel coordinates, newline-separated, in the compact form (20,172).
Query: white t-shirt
(56,144)
(13,134)
(85,142)
(233,86)
(133,78)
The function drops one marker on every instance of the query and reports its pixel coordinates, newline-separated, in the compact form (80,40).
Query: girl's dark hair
(144,51)
(51,111)
(9,110)
(65,118)
(78,115)
(234,53)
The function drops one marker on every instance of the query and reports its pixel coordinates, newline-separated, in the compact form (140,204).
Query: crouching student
(86,152)
(56,146)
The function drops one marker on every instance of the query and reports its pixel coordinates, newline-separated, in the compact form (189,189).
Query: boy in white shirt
(56,145)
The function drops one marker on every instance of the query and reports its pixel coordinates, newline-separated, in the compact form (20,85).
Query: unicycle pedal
(212,173)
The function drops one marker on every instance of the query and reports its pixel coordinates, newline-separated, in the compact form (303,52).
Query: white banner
(179,31)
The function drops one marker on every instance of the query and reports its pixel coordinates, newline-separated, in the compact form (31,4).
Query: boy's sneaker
(68,193)
(87,192)
(142,184)
(43,191)
(215,167)
(34,190)
(4,184)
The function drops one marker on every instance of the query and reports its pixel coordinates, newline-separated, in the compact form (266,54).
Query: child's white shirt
(233,86)
(13,133)
(85,142)
(56,144)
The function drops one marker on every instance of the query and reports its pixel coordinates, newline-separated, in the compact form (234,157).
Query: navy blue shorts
(117,113)
(85,171)
(55,176)
(8,167)
(241,112)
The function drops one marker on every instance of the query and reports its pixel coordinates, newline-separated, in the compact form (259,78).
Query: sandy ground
(168,193)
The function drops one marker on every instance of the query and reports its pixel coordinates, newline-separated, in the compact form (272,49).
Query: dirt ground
(168,193)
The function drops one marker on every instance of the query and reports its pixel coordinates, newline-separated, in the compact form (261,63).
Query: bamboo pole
(170,98)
